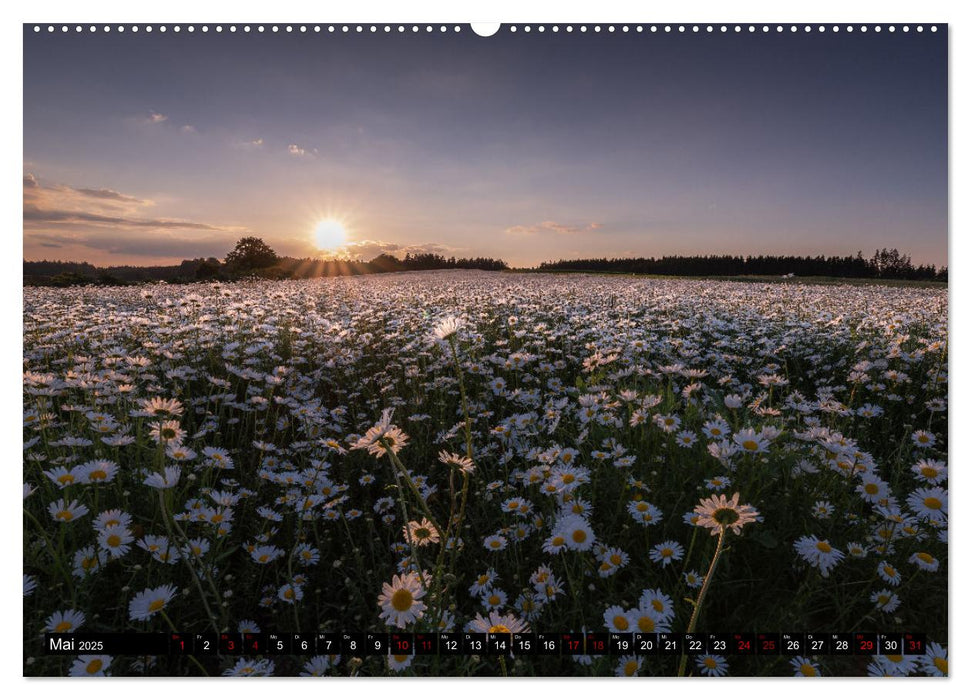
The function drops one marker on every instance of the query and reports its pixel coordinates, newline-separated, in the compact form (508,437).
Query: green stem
(195,577)
(701,595)
(58,554)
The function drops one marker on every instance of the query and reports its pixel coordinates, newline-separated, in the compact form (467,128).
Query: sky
(149,149)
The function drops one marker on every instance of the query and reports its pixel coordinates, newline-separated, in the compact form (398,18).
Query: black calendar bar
(483,644)
(108,643)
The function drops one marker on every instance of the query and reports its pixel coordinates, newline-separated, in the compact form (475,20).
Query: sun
(330,234)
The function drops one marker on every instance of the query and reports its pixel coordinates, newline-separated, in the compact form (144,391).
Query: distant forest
(253,258)
(63,274)
(885,264)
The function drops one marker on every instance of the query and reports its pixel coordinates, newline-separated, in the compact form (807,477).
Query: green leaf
(227,553)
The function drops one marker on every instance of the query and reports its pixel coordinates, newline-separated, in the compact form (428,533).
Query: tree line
(884,264)
(250,258)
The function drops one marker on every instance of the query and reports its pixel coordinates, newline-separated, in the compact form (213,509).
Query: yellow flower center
(402,600)
(568,478)
(807,669)
(925,557)
(156,605)
(710,662)
(824,547)
(645,623)
(667,552)
(494,599)
(928,472)
(496,629)
(558,541)
(933,503)
(941,664)
(113,540)
(579,536)
(288,594)
(63,626)
(616,559)
(621,622)
(94,666)
(750,445)
(65,479)
(630,668)
(896,658)
(871,489)
(64,515)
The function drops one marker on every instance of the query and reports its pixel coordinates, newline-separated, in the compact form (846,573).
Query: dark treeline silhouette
(885,264)
(253,258)
(249,263)
(311,267)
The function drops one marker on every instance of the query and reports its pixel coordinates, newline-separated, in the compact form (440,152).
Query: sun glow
(330,234)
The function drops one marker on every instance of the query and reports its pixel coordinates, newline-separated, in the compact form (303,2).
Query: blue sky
(144,149)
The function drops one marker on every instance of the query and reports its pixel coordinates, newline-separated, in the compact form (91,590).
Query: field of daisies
(489,452)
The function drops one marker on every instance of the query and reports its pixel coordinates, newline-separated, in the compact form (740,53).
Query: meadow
(486,451)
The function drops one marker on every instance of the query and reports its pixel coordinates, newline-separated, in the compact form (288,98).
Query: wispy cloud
(38,196)
(104,193)
(168,245)
(188,129)
(370,249)
(301,151)
(156,118)
(106,220)
(252,145)
(33,213)
(553,227)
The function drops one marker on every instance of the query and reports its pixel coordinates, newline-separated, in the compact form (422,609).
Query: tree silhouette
(251,253)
